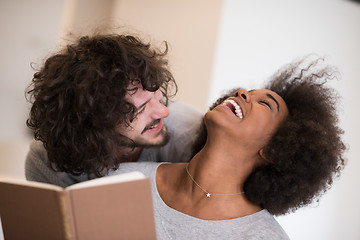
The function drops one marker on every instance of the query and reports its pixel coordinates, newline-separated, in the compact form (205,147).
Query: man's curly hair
(307,150)
(78,99)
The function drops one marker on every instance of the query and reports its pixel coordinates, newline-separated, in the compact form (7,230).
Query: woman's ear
(264,158)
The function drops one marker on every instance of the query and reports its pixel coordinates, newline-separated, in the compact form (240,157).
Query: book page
(108,180)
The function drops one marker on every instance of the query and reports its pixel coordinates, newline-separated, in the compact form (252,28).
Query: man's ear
(263,157)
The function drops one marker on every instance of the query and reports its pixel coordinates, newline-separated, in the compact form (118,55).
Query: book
(114,207)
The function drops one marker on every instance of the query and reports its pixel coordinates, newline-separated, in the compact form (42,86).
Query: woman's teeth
(238,110)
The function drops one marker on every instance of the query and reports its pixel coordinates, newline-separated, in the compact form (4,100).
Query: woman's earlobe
(264,158)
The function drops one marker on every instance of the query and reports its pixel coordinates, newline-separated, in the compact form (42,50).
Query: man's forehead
(138,96)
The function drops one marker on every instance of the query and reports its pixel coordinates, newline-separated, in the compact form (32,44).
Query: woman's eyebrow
(271,96)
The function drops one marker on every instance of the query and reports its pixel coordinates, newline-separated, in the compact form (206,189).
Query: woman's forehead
(264,91)
(269,93)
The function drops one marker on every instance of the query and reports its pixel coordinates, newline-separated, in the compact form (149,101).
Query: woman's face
(249,118)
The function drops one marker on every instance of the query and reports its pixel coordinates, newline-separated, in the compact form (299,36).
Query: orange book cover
(116,207)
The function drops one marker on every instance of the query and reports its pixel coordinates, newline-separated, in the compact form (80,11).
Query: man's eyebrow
(271,96)
(142,105)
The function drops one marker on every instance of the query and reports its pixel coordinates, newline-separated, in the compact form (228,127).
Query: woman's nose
(243,94)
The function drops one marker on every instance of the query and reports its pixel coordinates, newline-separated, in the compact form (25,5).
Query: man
(99,102)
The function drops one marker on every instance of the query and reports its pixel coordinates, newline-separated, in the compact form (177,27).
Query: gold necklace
(207,194)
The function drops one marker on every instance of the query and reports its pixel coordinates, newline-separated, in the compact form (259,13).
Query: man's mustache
(150,125)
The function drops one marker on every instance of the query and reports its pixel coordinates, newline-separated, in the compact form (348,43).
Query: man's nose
(161,111)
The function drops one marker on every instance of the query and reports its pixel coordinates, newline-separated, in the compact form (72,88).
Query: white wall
(28,33)
(255,38)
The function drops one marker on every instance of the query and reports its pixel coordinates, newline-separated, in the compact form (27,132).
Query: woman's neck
(221,171)
(208,172)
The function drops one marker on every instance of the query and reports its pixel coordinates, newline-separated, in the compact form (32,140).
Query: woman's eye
(266,104)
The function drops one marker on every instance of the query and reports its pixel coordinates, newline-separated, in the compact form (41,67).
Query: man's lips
(155,126)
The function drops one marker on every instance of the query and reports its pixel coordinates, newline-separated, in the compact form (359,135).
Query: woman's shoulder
(264,226)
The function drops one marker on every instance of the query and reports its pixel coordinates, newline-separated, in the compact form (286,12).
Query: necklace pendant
(208,195)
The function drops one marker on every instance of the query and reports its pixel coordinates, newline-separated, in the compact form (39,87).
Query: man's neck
(134,155)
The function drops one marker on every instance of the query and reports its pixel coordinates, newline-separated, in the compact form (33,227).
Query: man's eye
(266,104)
(140,111)
(137,113)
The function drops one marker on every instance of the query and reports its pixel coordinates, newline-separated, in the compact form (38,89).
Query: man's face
(147,129)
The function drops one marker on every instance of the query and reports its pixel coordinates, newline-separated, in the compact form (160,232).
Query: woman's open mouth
(235,108)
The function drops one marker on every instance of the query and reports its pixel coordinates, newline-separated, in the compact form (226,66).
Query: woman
(267,152)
